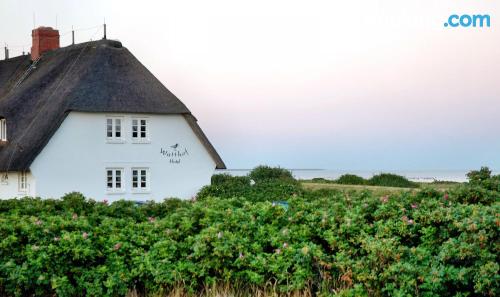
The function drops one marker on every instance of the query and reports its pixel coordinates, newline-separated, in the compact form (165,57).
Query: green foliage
(320,180)
(262,184)
(478,176)
(423,243)
(350,179)
(391,180)
(264,173)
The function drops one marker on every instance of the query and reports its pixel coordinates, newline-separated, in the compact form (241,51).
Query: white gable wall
(77,155)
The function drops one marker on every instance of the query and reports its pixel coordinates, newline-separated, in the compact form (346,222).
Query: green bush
(262,184)
(350,179)
(320,180)
(478,176)
(263,173)
(427,243)
(391,180)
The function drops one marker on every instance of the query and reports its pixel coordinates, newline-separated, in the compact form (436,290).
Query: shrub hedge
(424,243)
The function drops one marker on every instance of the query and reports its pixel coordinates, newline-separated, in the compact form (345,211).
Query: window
(114,180)
(140,131)
(140,179)
(4,180)
(23,181)
(3,130)
(114,129)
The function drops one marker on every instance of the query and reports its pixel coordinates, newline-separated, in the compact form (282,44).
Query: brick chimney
(44,39)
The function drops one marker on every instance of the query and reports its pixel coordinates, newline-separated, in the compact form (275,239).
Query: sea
(413,175)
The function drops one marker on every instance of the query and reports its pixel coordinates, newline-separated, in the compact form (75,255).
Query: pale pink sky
(317,84)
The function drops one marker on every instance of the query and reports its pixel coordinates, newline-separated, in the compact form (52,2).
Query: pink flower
(384,199)
(404,218)
(57,238)
(278,251)
(75,216)
(38,222)
(414,205)
(241,255)
(446,196)
(151,219)
(410,222)
(85,235)
(117,246)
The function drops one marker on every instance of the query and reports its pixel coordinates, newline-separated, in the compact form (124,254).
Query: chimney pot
(44,39)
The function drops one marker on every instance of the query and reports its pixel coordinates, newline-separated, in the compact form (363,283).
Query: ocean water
(417,176)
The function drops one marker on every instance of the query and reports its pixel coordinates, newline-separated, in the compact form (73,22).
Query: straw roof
(98,76)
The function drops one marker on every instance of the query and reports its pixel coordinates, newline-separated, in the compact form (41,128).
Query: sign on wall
(175,153)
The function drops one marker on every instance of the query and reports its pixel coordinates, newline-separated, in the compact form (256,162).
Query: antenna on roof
(72,35)
(6,52)
(104,29)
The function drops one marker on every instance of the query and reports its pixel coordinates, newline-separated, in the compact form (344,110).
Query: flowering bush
(351,243)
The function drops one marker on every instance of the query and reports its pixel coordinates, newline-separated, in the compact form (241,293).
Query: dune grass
(441,186)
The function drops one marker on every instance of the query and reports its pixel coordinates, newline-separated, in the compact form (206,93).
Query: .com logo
(467,20)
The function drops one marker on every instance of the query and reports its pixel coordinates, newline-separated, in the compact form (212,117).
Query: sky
(346,85)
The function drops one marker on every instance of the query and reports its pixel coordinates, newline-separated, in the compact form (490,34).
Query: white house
(91,118)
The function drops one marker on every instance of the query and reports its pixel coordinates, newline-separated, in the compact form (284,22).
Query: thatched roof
(98,76)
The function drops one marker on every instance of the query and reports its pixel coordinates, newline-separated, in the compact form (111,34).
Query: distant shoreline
(426,176)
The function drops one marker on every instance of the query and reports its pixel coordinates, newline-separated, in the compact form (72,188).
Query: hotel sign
(174,153)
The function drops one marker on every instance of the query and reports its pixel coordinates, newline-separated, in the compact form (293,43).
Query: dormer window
(114,131)
(3,130)
(140,131)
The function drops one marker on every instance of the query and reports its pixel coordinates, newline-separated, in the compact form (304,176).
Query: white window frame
(3,130)
(22,182)
(114,189)
(114,120)
(137,184)
(138,123)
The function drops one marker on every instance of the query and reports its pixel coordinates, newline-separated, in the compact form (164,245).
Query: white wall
(10,188)
(76,157)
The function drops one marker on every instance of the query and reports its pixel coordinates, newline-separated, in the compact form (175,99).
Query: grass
(378,190)
(230,290)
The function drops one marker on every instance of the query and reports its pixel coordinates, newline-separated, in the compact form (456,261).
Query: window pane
(134,179)
(118,128)
(143,184)
(109,174)
(134,130)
